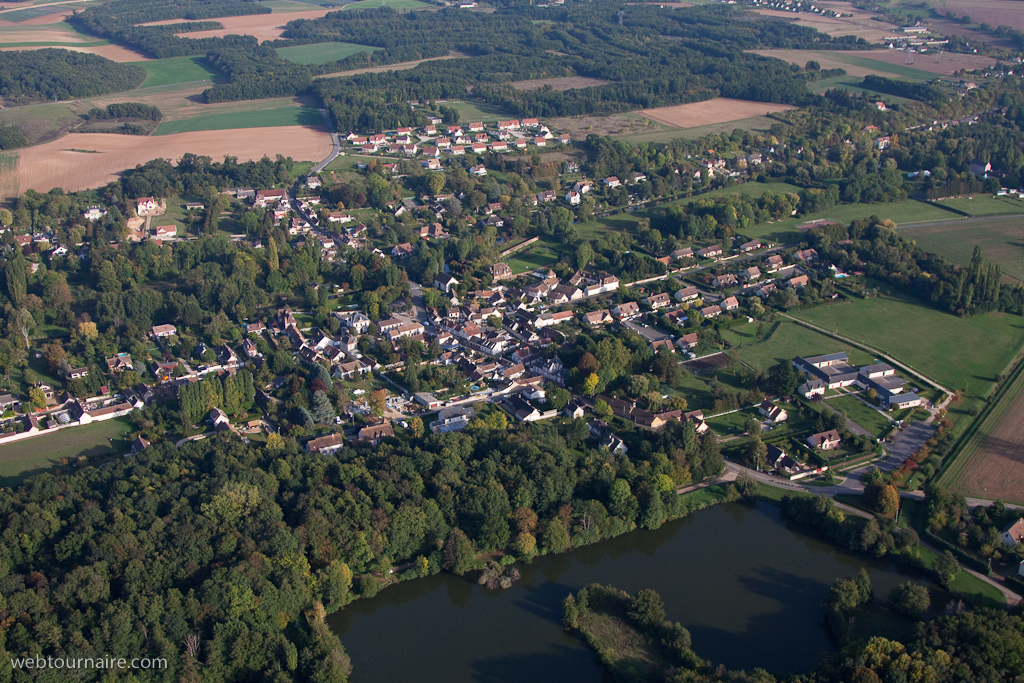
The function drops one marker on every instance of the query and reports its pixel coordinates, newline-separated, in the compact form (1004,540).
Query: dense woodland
(54,74)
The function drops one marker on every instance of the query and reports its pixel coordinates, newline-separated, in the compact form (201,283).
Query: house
(120,362)
(601,317)
(773,263)
(573,410)
(402,250)
(611,181)
(750,246)
(218,417)
(374,434)
(266,197)
(145,206)
(563,294)
(883,142)
(877,370)
(478,170)
(711,311)
(980,167)
(805,255)
(901,401)
(751,274)
(77,373)
(812,387)
(730,304)
(626,310)
(7,401)
(164,232)
(725,280)
(312,182)
(500,271)
(94,213)
(602,284)
(686,294)
(445,282)
(772,411)
(797,281)
(452,419)
(139,445)
(326,444)
(613,444)
(678,254)
(573,197)
(765,290)
(714,251)
(824,441)
(547,196)
(659,344)
(688,342)
(583,186)
(657,301)
(164,330)
(1013,534)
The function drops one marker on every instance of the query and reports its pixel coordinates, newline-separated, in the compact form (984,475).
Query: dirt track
(717,110)
(99,157)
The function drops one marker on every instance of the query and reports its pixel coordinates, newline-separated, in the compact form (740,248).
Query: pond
(749,586)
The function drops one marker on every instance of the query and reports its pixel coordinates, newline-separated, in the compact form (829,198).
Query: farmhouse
(266,197)
(812,387)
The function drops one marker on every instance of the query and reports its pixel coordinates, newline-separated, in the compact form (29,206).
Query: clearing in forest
(560,84)
(711,111)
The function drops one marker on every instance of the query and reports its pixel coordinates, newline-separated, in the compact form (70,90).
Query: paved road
(419,307)
(334,138)
(196,437)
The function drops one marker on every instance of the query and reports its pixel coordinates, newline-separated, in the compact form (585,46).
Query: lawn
(532,259)
(786,342)
(985,205)
(999,239)
(177,70)
(866,417)
(927,339)
(266,118)
(31,456)
(321,53)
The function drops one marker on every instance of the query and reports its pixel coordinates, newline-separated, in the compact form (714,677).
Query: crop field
(927,339)
(30,456)
(260,26)
(55,33)
(91,160)
(41,122)
(888,63)
(993,12)
(999,238)
(266,118)
(852,84)
(991,464)
(8,174)
(27,14)
(718,110)
(862,24)
(178,70)
(788,340)
(321,53)
(563,83)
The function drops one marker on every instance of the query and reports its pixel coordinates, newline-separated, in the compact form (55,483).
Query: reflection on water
(737,576)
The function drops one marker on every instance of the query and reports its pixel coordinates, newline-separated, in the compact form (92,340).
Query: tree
(272,259)
(55,356)
(37,397)
(602,409)
(323,409)
(947,569)
(784,377)
(910,599)
(757,453)
(647,609)
(378,402)
(558,397)
(416,427)
(888,500)
(16,279)
(588,363)
(752,426)
(556,536)
(584,255)
(22,323)
(458,554)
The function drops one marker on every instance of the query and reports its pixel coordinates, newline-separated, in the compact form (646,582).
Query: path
(334,138)
(195,437)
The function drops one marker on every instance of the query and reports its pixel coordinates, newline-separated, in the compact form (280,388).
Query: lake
(748,585)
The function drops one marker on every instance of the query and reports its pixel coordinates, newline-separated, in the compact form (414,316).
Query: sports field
(321,53)
(991,464)
(177,70)
(266,118)
(959,353)
(999,239)
(29,456)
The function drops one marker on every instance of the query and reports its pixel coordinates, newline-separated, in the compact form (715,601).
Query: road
(419,307)
(334,138)
(735,259)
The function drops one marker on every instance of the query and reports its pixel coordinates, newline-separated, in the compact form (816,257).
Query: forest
(53,74)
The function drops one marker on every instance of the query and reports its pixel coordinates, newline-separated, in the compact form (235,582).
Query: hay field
(90,160)
(711,111)
(260,26)
(560,84)
(829,59)
(933,61)
(993,12)
(35,21)
(56,33)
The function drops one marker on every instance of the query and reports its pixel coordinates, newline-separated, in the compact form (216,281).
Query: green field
(852,84)
(788,340)
(985,205)
(321,53)
(393,4)
(999,239)
(477,110)
(177,70)
(533,258)
(266,118)
(960,353)
(30,456)
(907,72)
(8,178)
(866,417)
(759,124)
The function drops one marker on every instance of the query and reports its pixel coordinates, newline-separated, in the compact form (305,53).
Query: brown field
(399,66)
(993,12)
(261,26)
(801,57)
(580,127)
(947,62)
(563,83)
(45,19)
(115,53)
(17,33)
(860,24)
(90,160)
(996,466)
(712,111)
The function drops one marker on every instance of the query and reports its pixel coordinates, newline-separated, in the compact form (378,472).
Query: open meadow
(991,463)
(959,353)
(276,114)
(398,66)
(176,70)
(718,110)
(999,239)
(321,53)
(784,340)
(984,205)
(90,160)
(562,83)
(31,456)
(888,63)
